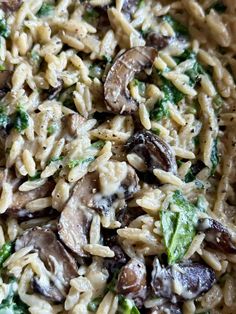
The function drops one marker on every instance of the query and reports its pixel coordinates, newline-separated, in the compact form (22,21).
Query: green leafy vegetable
(35,177)
(127,306)
(4,29)
(214,156)
(13,304)
(91,16)
(2,67)
(141,4)
(179,28)
(3,118)
(99,144)
(52,129)
(112,284)
(156,131)
(202,203)
(95,70)
(218,102)
(179,227)
(53,159)
(45,10)
(94,304)
(5,252)
(107,58)
(21,121)
(74,163)
(190,176)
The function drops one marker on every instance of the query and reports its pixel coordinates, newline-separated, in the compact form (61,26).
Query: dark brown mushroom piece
(189,279)
(20,199)
(76,217)
(217,236)
(11,5)
(5,82)
(166,308)
(132,282)
(131,62)
(110,238)
(129,7)
(56,259)
(157,41)
(153,150)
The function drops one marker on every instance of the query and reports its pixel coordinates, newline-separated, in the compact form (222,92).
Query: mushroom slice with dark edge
(154,151)
(216,236)
(131,62)
(185,281)
(157,41)
(20,199)
(11,5)
(132,281)
(61,265)
(76,217)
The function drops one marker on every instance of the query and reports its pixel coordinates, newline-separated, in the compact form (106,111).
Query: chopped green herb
(178,227)
(156,131)
(94,304)
(179,162)
(107,58)
(141,87)
(190,176)
(193,171)
(45,10)
(99,144)
(160,111)
(4,30)
(218,102)
(3,118)
(52,129)
(126,306)
(5,252)
(2,67)
(202,203)
(35,177)
(196,140)
(95,71)
(91,16)
(13,304)
(112,284)
(179,28)
(214,156)
(21,121)
(141,4)
(74,163)
(53,159)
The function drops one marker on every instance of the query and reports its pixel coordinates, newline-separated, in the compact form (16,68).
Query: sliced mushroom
(129,7)
(157,41)
(180,282)
(216,236)
(110,238)
(131,62)
(11,5)
(154,151)
(132,281)
(61,265)
(77,215)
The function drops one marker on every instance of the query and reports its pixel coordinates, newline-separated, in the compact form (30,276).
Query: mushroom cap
(116,93)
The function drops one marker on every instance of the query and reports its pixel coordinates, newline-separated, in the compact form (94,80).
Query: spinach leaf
(53,159)
(5,252)
(4,120)
(98,144)
(35,177)
(218,102)
(4,29)
(160,111)
(178,227)
(21,121)
(193,171)
(95,70)
(52,129)
(94,304)
(13,304)
(91,16)
(179,28)
(126,306)
(76,162)
(45,10)
(214,156)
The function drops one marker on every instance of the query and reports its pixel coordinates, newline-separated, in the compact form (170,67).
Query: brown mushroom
(157,41)
(71,122)
(191,280)
(77,215)
(217,236)
(131,62)
(129,7)
(132,281)
(154,151)
(56,259)
(11,5)
(5,80)
(20,199)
